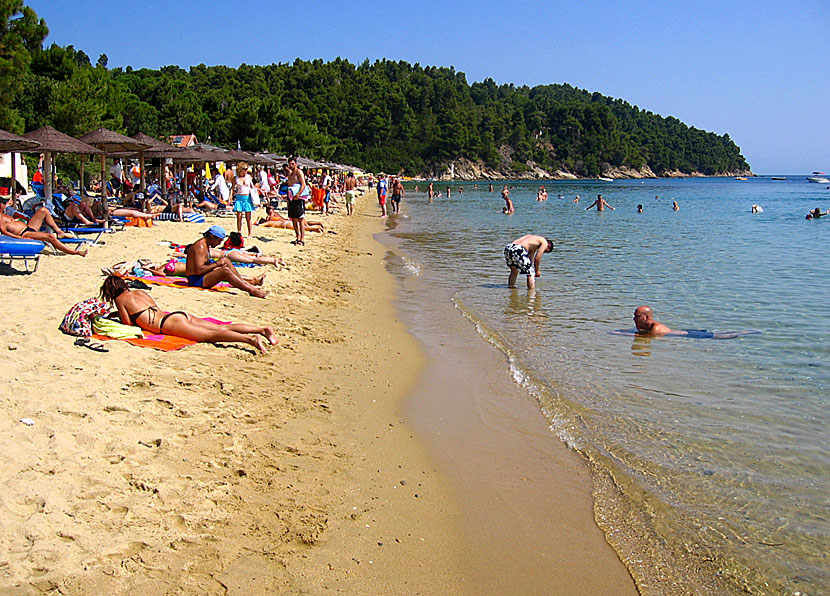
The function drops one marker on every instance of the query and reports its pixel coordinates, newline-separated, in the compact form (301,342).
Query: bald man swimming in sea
(646,325)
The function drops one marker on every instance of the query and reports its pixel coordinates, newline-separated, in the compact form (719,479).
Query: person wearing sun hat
(203,273)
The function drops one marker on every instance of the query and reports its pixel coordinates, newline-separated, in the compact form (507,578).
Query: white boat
(604,179)
(819,178)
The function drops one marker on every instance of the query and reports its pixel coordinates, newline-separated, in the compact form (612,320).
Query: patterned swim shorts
(517,256)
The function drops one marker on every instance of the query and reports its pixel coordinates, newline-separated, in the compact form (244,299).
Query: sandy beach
(215,470)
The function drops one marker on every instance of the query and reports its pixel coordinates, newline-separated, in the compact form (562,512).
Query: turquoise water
(711,457)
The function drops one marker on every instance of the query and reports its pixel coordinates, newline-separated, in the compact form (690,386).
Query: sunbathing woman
(31,230)
(275,220)
(234,249)
(137,308)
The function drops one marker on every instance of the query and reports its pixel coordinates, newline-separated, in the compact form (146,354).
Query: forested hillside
(385,115)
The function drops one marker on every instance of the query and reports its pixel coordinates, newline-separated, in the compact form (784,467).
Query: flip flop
(95,346)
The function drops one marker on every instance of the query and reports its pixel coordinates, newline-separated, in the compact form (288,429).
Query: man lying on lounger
(31,229)
(204,273)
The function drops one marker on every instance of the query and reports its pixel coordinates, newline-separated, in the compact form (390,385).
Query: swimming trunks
(296,209)
(243,203)
(516,256)
(396,198)
(28,229)
(350,194)
(196,281)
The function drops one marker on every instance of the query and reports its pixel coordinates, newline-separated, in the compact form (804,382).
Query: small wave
(411,266)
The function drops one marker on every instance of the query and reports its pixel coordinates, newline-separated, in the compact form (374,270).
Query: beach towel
(178,282)
(191,217)
(165,343)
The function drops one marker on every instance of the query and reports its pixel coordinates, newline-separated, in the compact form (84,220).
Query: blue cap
(217,231)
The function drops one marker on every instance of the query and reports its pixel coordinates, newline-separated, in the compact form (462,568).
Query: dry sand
(215,470)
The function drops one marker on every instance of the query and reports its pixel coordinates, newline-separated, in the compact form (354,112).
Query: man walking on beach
(203,273)
(600,204)
(524,255)
(350,192)
(397,193)
(382,186)
(297,191)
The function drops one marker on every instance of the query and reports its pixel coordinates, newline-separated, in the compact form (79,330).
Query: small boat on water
(819,178)
(740,178)
(778,178)
(604,179)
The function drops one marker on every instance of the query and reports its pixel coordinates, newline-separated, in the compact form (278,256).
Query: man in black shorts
(297,191)
(397,193)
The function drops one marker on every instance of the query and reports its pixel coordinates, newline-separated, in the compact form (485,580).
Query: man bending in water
(524,255)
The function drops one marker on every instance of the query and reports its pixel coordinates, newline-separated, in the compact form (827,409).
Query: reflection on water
(719,447)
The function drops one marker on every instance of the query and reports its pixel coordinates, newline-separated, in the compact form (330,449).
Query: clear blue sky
(758,70)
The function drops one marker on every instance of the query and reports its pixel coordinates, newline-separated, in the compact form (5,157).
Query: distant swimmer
(600,204)
(542,194)
(524,255)
(675,206)
(491,187)
(576,200)
(508,204)
(639,208)
(816,213)
(757,209)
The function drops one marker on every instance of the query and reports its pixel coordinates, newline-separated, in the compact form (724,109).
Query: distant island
(383,116)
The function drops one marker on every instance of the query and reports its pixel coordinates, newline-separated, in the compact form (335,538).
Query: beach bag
(255,197)
(78,321)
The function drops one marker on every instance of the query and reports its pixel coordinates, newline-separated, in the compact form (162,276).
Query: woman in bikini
(275,220)
(137,308)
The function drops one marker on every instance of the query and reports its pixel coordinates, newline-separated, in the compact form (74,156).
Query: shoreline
(214,469)
(217,470)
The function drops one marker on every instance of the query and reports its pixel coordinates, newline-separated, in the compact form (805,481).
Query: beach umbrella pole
(105,202)
(47,179)
(14,180)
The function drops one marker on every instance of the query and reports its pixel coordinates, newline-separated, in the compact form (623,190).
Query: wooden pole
(141,170)
(14,180)
(82,183)
(47,178)
(104,201)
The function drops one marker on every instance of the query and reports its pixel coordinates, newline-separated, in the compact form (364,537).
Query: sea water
(710,456)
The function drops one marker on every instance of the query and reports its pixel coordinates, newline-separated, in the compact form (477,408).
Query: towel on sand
(165,343)
(179,282)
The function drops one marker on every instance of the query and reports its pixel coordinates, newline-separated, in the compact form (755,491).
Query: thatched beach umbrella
(10,142)
(158,150)
(110,141)
(54,141)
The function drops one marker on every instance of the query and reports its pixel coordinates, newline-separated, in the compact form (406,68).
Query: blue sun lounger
(20,249)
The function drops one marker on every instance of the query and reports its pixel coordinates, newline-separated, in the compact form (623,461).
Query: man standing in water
(397,193)
(297,191)
(524,255)
(600,204)
(508,203)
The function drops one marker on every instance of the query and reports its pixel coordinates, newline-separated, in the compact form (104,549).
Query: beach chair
(21,249)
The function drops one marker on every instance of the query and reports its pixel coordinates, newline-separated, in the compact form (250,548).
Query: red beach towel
(179,282)
(165,343)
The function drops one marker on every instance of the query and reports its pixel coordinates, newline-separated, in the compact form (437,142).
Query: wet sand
(215,470)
